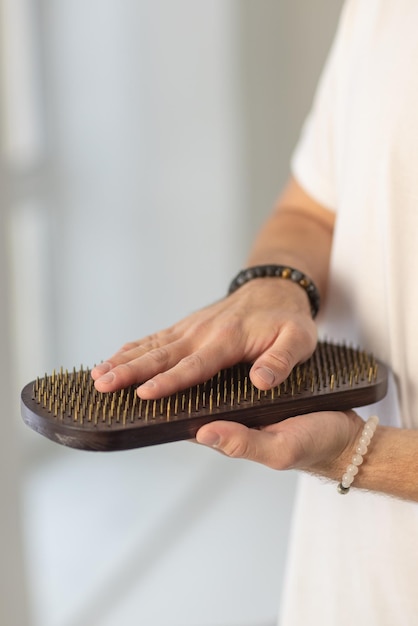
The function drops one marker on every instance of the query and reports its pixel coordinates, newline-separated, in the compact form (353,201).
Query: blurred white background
(142,142)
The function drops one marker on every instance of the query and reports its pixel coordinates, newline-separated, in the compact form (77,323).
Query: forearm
(390,465)
(298,233)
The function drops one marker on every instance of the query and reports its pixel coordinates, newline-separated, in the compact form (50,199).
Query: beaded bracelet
(357,459)
(280,271)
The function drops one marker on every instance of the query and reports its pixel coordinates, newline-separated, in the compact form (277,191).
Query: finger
(239,442)
(193,369)
(141,368)
(133,350)
(160,338)
(293,345)
(121,357)
(118,358)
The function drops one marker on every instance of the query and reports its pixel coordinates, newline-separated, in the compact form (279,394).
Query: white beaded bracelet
(357,459)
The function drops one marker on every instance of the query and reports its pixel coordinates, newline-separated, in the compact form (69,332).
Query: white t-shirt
(353,560)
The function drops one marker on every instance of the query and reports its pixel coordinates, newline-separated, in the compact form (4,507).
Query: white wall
(283,45)
(168,127)
(12,574)
(19,150)
(145,146)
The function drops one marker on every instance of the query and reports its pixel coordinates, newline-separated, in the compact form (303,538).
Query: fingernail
(149,384)
(107,378)
(102,368)
(267,375)
(208,439)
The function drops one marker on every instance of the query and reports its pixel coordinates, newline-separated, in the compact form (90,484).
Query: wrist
(287,298)
(344,432)
(360,451)
(281,272)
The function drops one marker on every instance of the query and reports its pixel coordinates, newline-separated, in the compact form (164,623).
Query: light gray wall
(283,44)
(169,127)
(12,574)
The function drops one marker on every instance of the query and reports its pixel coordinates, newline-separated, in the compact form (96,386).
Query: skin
(268,322)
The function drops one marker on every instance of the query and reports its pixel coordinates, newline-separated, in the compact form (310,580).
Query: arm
(266,321)
(323,444)
(393,464)
(298,233)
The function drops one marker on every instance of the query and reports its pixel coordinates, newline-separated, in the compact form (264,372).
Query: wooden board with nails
(65,406)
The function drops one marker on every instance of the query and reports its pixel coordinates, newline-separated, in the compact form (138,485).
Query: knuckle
(159,355)
(169,332)
(130,345)
(193,361)
(237,449)
(281,362)
(124,372)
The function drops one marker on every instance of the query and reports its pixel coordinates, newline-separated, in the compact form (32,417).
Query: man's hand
(267,322)
(320,443)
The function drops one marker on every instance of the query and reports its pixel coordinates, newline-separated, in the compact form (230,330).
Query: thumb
(237,441)
(276,363)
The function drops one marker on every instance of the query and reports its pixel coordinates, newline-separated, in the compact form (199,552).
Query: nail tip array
(70,399)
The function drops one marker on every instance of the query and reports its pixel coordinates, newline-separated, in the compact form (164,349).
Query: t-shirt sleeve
(313,162)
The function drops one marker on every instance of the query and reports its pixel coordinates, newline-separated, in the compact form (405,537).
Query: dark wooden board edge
(155,432)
